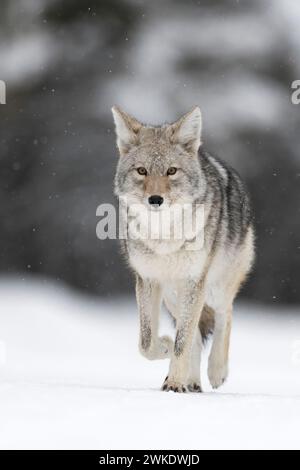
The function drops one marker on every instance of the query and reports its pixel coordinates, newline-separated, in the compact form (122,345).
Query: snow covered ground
(71,377)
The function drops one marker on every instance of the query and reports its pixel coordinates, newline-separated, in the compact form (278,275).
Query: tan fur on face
(156,185)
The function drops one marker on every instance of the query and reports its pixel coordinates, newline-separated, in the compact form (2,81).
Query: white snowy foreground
(71,377)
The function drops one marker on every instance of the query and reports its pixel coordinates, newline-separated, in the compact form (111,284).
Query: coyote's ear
(127,129)
(187,130)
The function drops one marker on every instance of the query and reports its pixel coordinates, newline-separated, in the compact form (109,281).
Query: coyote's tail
(207,320)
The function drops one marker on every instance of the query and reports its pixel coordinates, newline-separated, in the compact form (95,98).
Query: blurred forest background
(67,62)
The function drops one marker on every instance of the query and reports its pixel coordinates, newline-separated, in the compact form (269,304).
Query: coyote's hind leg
(218,359)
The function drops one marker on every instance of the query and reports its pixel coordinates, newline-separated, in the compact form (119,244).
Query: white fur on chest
(161,254)
(173,266)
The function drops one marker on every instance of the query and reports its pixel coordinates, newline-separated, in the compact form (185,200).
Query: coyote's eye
(171,171)
(142,171)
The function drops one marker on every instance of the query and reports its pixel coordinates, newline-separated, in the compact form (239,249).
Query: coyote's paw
(172,386)
(217,373)
(160,349)
(195,387)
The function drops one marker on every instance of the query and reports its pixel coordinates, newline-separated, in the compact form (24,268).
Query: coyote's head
(158,166)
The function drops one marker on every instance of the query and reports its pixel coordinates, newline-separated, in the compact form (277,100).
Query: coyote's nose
(156,200)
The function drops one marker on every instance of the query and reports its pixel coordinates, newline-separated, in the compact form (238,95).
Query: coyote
(160,166)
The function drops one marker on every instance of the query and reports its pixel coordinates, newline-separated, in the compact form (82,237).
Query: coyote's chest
(167,245)
(164,267)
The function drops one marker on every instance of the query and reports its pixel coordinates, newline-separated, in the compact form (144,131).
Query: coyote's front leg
(191,300)
(149,298)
